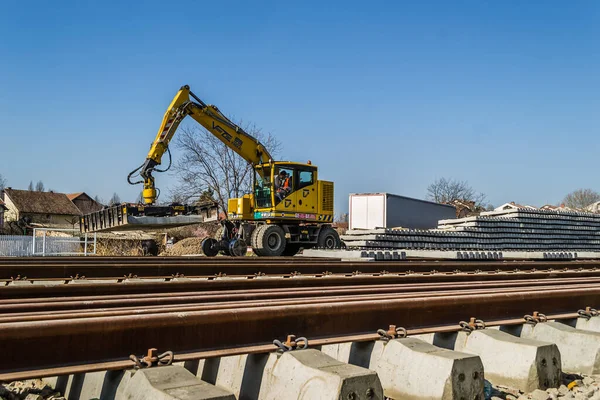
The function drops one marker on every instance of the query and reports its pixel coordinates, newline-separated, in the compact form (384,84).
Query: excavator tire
(269,240)
(328,239)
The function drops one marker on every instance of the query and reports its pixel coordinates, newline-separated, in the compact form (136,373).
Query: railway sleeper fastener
(152,359)
(393,332)
(290,344)
(588,313)
(535,318)
(473,325)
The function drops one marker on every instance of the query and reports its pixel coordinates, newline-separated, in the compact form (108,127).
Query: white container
(386,210)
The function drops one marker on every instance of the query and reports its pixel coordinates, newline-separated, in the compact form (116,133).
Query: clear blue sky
(381,96)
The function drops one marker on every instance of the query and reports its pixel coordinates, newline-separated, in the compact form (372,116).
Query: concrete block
(412,369)
(580,349)
(172,382)
(240,374)
(309,374)
(100,385)
(525,364)
(592,324)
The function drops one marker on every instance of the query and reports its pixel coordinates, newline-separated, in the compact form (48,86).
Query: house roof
(513,205)
(73,196)
(84,202)
(41,202)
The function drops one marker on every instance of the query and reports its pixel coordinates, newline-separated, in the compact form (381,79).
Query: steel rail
(24,308)
(119,267)
(88,340)
(22,290)
(186,307)
(25,290)
(310,289)
(122,364)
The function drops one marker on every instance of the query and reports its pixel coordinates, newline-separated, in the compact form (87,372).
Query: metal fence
(41,244)
(18,246)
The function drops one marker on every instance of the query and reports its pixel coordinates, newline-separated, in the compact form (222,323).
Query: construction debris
(185,247)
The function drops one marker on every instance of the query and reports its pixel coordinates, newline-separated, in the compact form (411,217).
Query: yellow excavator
(289,207)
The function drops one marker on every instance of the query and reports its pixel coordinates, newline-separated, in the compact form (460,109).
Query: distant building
(3,208)
(85,203)
(594,207)
(43,209)
(551,207)
(513,206)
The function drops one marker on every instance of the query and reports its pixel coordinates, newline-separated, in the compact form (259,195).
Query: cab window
(262,188)
(305,178)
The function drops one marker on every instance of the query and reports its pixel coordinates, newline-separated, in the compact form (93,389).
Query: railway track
(73,268)
(51,323)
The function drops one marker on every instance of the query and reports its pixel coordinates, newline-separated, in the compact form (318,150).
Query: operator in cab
(283,185)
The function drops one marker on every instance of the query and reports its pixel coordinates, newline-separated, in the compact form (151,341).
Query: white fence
(19,246)
(40,244)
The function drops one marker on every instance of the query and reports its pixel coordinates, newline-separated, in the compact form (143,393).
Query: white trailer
(386,210)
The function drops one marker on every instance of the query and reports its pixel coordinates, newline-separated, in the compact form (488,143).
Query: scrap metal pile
(507,230)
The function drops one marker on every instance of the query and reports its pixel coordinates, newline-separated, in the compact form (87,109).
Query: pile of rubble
(506,230)
(573,387)
(185,247)
(32,389)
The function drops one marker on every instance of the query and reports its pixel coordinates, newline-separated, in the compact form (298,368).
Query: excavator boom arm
(210,117)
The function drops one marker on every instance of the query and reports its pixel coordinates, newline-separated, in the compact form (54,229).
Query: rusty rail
(218,326)
(117,267)
(123,286)
(254,349)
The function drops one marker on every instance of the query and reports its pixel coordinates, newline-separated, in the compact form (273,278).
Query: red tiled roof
(73,196)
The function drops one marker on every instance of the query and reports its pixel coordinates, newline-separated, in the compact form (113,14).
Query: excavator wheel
(238,248)
(209,247)
(328,239)
(268,240)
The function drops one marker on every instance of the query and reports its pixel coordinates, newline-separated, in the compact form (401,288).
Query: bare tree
(207,166)
(581,198)
(2,182)
(97,199)
(448,190)
(343,217)
(39,186)
(30,187)
(114,200)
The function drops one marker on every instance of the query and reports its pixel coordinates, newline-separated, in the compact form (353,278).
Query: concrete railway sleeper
(441,362)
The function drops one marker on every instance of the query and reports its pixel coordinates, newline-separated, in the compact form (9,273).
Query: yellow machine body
(307,200)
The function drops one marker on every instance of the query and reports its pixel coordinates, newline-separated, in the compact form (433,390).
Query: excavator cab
(285,190)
